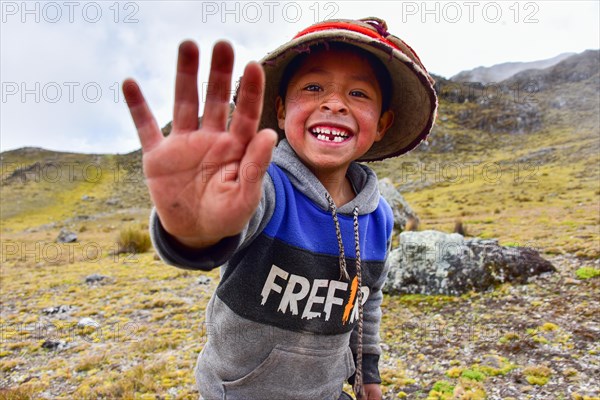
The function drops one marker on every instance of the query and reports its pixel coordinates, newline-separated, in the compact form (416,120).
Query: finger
(244,123)
(147,128)
(255,162)
(185,112)
(216,109)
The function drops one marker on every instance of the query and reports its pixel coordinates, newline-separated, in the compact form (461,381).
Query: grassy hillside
(527,173)
(538,189)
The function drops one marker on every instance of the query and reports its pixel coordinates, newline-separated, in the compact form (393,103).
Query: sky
(61,63)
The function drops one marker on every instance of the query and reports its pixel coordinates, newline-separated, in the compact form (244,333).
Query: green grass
(473,374)
(551,206)
(587,273)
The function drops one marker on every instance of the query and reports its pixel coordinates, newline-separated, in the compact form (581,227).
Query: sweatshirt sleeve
(173,253)
(371,322)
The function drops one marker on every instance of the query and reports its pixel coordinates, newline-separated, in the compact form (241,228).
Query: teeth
(335,139)
(330,134)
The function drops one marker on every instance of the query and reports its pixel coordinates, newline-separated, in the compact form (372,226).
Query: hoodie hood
(362,178)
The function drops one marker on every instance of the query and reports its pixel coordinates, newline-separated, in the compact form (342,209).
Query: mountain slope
(500,72)
(564,95)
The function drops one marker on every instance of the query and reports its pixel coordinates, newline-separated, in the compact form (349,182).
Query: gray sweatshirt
(282,324)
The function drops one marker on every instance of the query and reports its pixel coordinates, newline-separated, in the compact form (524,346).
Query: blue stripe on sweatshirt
(304,225)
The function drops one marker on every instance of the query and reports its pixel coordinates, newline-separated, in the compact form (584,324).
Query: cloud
(61,80)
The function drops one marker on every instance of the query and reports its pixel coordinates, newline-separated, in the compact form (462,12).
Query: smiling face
(332,110)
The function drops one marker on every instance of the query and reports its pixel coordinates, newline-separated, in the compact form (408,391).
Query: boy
(303,242)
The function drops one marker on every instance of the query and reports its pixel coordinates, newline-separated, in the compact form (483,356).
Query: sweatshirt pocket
(295,373)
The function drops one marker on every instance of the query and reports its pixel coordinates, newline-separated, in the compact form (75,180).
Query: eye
(358,93)
(312,87)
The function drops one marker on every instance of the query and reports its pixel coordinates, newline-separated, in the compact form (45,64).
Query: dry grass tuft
(133,240)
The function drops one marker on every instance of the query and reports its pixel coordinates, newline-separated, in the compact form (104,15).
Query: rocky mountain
(564,94)
(500,72)
(576,68)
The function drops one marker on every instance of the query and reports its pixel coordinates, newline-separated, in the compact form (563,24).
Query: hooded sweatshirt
(282,323)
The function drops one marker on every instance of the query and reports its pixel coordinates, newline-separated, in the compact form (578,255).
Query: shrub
(537,375)
(473,374)
(587,272)
(454,372)
(443,387)
(133,240)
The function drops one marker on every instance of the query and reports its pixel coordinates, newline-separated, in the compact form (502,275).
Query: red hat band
(346,26)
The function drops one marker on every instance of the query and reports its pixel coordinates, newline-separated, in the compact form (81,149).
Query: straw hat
(413,99)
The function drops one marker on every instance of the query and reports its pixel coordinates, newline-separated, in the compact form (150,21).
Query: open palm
(205,182)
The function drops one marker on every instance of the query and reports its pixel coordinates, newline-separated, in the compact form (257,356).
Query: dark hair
(381,73)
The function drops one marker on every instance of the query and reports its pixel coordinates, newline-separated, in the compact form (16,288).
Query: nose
(333,102)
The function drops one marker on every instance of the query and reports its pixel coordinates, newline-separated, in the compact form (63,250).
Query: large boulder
(432,262)
(402,211)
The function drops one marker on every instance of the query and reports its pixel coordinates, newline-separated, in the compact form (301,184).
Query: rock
(65,236)
(112,202)
(51,344)
(204,280)
(95,278)
(83,322)
(402,211)
(432,262)
(65,308)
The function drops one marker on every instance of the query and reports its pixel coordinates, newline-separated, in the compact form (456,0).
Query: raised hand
(205,183)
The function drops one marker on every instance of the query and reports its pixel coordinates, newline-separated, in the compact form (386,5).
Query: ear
(280,113)
(385,121)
